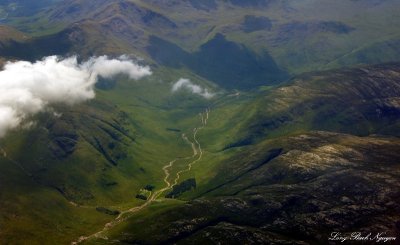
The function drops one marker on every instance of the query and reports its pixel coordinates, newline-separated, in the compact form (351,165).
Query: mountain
(297,174)
(20,8)
(320,101)
(290,37)
(99,155)
(262,122)
(292,190)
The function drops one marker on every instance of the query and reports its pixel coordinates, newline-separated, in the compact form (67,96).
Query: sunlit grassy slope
(99,154)
(258,161)
(102,153)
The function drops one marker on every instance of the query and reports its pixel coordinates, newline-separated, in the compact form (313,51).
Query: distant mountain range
(289,36)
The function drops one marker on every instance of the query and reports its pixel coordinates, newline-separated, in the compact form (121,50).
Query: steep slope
(359,101)
(221,61)
(76,168)
(316,183)
(45,172)
(299,35)
(273,38)
(31,48)
(283,181)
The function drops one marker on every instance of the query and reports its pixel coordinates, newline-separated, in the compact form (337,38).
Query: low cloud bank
(184,83)
(28,88)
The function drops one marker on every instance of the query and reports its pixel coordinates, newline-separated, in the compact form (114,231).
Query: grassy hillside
(318,182)
(359,101)
(285,181)
(96,160)
(89,162)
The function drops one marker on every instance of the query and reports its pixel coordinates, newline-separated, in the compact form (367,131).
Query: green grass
(144,219)
(39,208)
(85,176)
(373,40)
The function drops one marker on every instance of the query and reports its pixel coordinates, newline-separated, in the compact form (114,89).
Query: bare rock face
(320,183)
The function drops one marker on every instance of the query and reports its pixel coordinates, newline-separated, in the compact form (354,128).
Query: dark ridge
(272,154)
(35,49)
(233,66)
(166,53)
(228,64)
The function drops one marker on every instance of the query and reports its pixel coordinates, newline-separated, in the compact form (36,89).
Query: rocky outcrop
(322,183)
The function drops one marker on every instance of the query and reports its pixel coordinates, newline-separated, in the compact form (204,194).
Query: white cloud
(108,68)
(28,88)
(184,83)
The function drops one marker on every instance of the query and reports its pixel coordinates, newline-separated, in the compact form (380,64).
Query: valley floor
(137,165)
(170,183)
